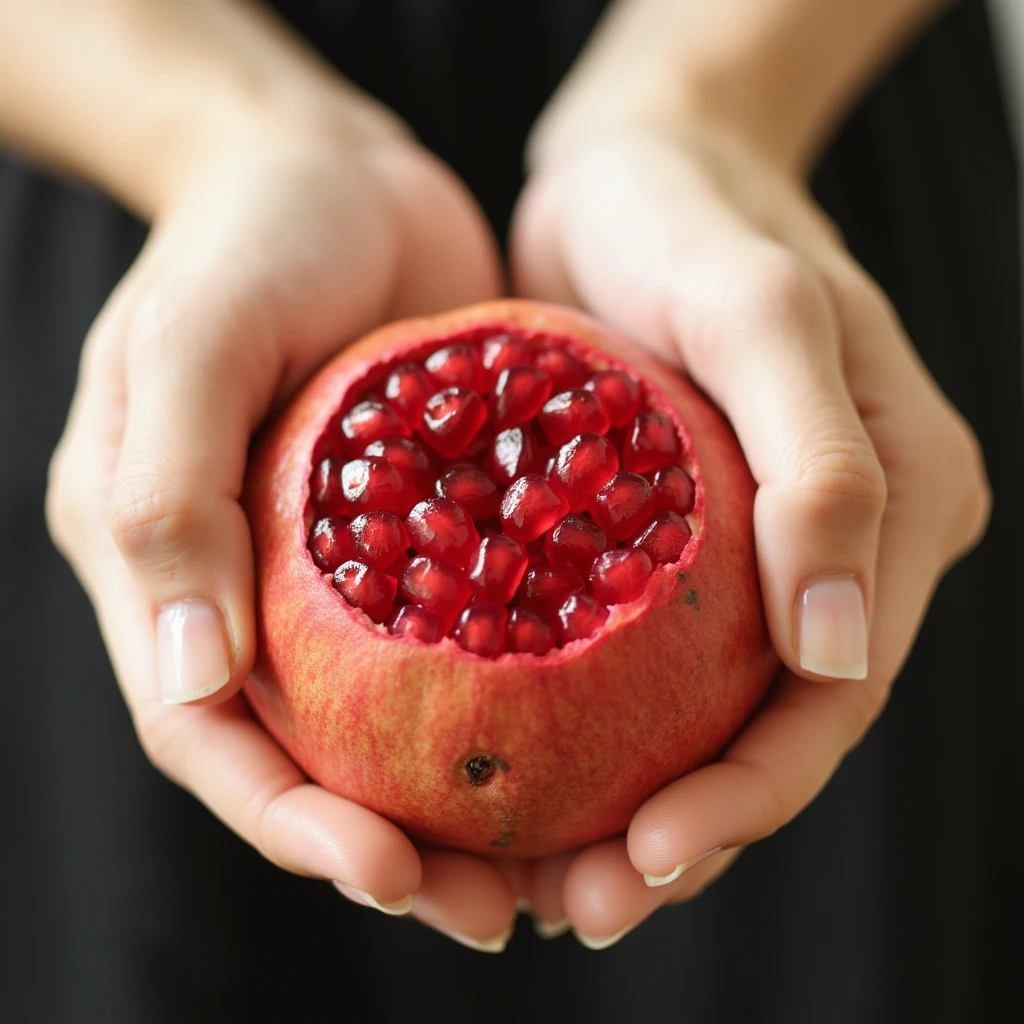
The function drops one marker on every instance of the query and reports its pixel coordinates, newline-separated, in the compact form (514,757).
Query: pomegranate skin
(519,754)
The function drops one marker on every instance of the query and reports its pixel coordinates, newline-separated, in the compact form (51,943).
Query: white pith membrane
(371,489)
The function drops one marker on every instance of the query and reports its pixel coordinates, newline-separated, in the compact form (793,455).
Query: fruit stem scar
(480,767)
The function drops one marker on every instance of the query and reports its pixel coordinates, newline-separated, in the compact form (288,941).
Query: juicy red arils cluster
(500,490)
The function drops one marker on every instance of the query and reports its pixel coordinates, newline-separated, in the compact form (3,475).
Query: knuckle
(780,287)
(974,505)
(842,478)
(149,523)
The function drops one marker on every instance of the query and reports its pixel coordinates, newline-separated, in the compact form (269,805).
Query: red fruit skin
(577,739)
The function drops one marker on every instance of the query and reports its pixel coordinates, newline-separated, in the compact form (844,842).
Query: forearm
(130,93)
(780,73)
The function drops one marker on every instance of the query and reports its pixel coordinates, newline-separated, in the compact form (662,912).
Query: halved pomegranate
(506,578)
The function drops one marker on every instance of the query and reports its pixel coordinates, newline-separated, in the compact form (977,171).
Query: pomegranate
(506,578)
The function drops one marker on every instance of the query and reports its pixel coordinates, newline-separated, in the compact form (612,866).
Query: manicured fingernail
(495,945)
(609,940)
(396,909)
(653,881)
(833,629)
(192,651)
(523,906)
(551,929)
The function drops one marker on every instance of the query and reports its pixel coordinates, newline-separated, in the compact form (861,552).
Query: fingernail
(495,945)
(551,929)
(653,881)
(523,905)
(833,629)
(609,940)
(396,909)
(192,651)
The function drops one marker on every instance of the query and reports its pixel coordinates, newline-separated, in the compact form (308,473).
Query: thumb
(198,378)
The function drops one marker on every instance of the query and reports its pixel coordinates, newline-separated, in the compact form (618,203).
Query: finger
(652,247)
(466,898)
(606,899)
(544,889)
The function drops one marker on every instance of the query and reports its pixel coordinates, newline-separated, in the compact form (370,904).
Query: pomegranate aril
(503,351)
(325,488)
(451,420)
(536,556)
(456,366)
(531,507)
(518,396)
(496,569)
(570,413)
(651,443)
(582,467)
(546,588)
(673,491)
(575,542)
(580,617)
(512,453)
(370,421)
(664,538)
(399,565)
(329,543)
(407,389)
(481,630)
(411,620)
(472,488)
(623,505)
(566,371)
(378,538)
(528,633)
(373,483)
(437,586)
(366,588)
(620,576)
(620,395)
(406,456)
(440,528)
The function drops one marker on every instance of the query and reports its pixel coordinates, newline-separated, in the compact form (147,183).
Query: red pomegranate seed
(623,505)
(580,616)
(480,444)
(378,538)
(545,589)
(528,633)
(582,467)
(456,366)
(620,394)
(406,456)
(407,389)
(481,630)
(664,538)
(496,568)
(503,351)
(436,586)
(576,542)
(370,421)
(513,453)
(325,488)
(440,528)
(373,483)
(673,491)
(566,371)
(451,419)
(621,575)
(329,544)
(472,488)
(518,396)
(570,413)
(399,565)
(531,507)
(411,620)
(651,443)
(366,588)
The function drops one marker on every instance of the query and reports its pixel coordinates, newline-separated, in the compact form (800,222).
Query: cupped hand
(280,247)
(869,483)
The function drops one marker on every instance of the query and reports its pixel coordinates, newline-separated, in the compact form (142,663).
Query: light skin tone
(291,213)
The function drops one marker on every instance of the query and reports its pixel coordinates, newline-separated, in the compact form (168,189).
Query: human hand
(722,264)
(280,245)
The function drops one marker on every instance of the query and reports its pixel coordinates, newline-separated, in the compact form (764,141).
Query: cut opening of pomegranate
(503,490)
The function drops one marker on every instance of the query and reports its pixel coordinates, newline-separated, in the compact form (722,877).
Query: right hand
(283,245)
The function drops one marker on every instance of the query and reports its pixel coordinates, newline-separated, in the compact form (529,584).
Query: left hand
(724,267)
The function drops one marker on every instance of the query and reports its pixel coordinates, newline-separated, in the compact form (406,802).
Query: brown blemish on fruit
(692,600)
(478,768)
(508,835)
